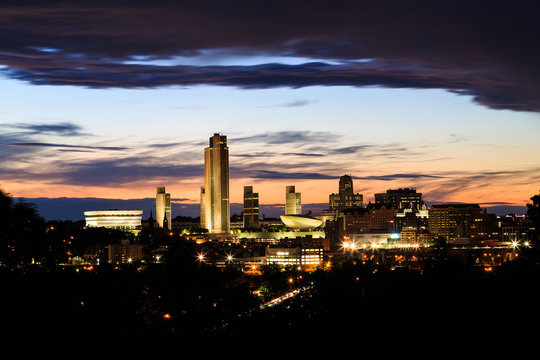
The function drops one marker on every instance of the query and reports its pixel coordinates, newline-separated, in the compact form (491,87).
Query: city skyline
(454,116)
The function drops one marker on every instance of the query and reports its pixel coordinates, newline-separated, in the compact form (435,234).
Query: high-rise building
(293,201)
(163,207)
(215,210)
(203,207)
(400,198)
(251,208)
(345,198)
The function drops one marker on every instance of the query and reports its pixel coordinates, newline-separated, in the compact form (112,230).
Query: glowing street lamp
(200,257)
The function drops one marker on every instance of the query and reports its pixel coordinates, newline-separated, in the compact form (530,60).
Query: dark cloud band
(484,49)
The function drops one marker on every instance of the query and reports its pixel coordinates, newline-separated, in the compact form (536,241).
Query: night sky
(108,100)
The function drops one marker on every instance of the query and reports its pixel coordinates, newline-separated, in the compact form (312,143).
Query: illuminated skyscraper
(203,207)
(251,208)
(293,201)
(346,198)
(215,213)
(163,207)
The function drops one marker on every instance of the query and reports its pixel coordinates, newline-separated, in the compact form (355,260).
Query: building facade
(293,201)
(126,220)
(124,253)
(373,219)
(163,207)
(345,198)
(215,203)
(400,198)
(250,214)
(456,221)
(307,258)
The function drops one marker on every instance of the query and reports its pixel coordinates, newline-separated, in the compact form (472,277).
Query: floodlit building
(127,220)
(295,256)
(250,214)
(215,209)
(293,201)
(300,221)
(345,198)
(163,207)
(411,217)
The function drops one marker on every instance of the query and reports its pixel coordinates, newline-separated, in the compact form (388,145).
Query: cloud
(391,177)
(457,182)
(36,144)
(269,174)
(488,53)
(287,137)
(125,171)
(272,154)
(296,103)
(60,129)
(350,149)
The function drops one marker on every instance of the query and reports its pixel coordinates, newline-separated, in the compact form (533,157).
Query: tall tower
(293,201)
(163,207)
(203,207)
(251,208)
(345,198)
(215,212)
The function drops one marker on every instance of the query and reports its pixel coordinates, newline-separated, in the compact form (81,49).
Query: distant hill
(506,209)
(73,208)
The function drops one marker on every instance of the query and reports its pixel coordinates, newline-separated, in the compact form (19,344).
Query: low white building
(127,220)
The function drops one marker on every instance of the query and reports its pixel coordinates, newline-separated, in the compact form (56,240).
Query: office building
(306,257)
(375,218)
(456,221)
(400,198)
(163,207)
(125,252)
(126,220)
(411,217)
(345,198)
(293,201)
(413,235)
(215,210)
(250,214)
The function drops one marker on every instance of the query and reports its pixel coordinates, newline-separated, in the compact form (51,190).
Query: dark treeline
(448,308)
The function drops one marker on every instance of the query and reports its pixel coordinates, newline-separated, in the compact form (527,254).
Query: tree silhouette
(533,213)
(21,231)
